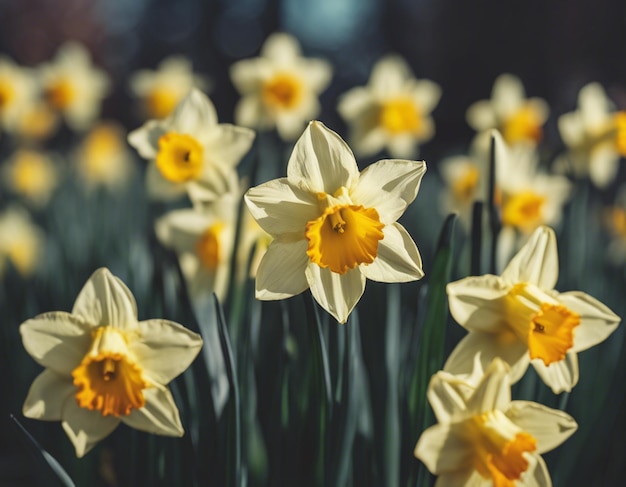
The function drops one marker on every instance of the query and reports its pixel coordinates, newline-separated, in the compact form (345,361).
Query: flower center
(523,210)
(499,447)
(60,94)
(32,173)
(208,246)
(179,158)
(344,236)
(107,378)
(160,102)
(524,124)
(7,92)
(400,115)
(544,324)
(283,91)
(464,186)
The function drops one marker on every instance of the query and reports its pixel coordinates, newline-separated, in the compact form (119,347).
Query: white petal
(105,300)
(145,139)
(317,73)
(193,115)
(354,103)
(158,416)
(480,116)
(397,259)
(86,428)
(537,262)
(279,207)
(427,93)
(336,293)
(441,450)
(597,321)
(281,47)
(180,229)
(227,144)
(487,346)
(550,427)
(281,273)
(389,75)
(249,111)
(493,391)
(321,161)
(446,396)
(507,95)
(467,477)
(404,146)
(389,186)
(57,340)
(476,302)
(560,376)
(164,349)
(368,140)
(537,474)
(594,105)
(603,164)
(159,188)
(571,129)
(46,396)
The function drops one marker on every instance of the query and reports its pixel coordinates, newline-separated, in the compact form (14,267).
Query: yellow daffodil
(392,112)
(527,196)
(333,227)
(596,136)
(30,174)
(519,119)
(519,317)
(103,367)
(483,438)
(103,159)
(162,89)
(280,88)
(18,90)
(203,237)
(73,87)
(189,148)
(21,241)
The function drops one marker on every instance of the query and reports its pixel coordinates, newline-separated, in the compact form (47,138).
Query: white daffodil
(30,174)
(280,88)
(103,367)
(596,136)
(392,112)
(162,89)
(203,237)
(21,241)
(18,90)
(527,196)
(103,158)
(519,317)
(332,226)
(519,119)
(483,438)
(73,87)
(190,148)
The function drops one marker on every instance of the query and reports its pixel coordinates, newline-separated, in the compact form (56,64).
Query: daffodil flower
(280,88)
(596,136)
(519,119)
(483,438)
(73,87)
(519,317)
(527,196)
(31,174)
(21,241)
(392,112)
(102,158)
(190,148)
(162,89)
(203,237)
(103,367)
(332,226)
